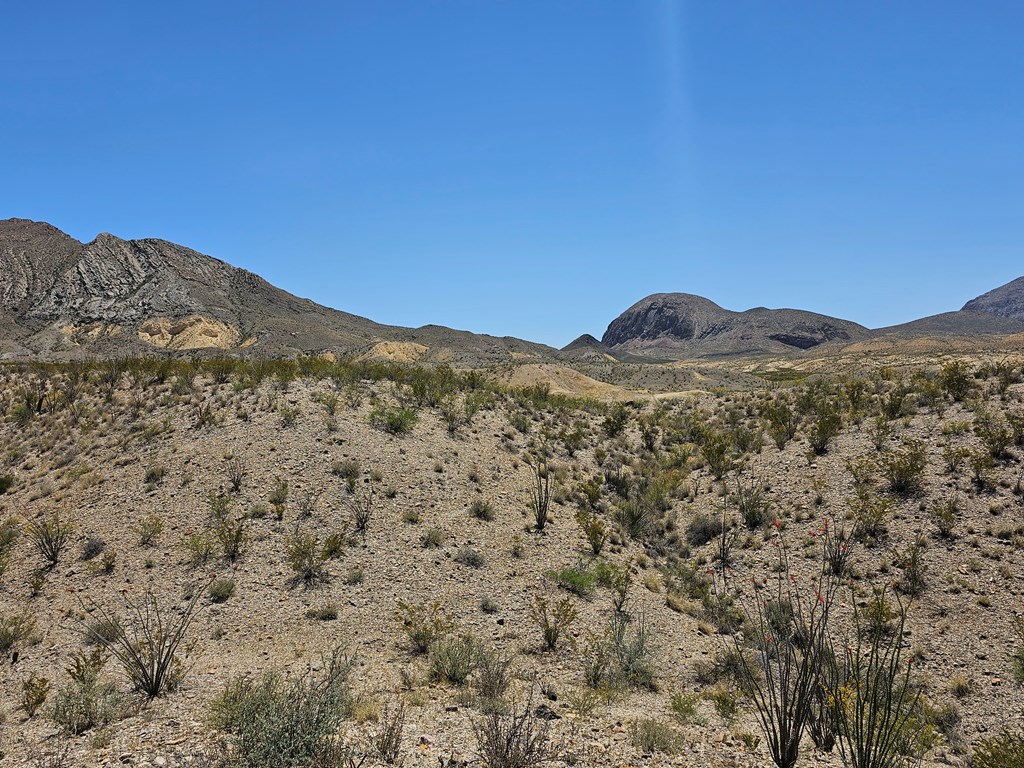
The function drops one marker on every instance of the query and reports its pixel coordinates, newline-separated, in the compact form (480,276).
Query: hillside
(132,296)
(163,474)
(1005,301)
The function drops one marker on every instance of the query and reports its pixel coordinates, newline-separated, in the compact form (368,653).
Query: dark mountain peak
(683,324)
(582,342)
(1004,301)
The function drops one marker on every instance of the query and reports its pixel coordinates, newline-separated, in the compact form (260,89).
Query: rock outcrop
(684,325)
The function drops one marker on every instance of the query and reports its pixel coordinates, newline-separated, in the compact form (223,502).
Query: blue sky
(533,168)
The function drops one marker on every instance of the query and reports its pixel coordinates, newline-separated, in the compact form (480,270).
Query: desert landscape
(241,529)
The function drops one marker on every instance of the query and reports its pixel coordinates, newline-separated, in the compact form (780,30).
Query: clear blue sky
(533,168)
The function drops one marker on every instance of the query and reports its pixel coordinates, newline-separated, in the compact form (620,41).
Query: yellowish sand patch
(395,351)
(563,381)
(194,332)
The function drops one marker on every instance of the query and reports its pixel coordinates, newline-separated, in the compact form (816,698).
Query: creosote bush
(279,721)
(553,618)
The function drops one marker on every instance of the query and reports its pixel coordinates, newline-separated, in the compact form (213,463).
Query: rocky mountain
(683,325)
(962,323)
(58,295)
(1004,301)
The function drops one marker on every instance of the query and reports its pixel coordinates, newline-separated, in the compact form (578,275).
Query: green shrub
(753,505)
(276,721)
(513,737)
(14,629)
(1005,750)
(6,483)
(454,659)
(326,612)
(49,536)
(553,619)
(903,470)
(148,529)
(649,736)
(481,510)
(469,557)
(34,690)
(306,558)
(578,579)
(396,421)
(221,589)
(349,470)
(85,702)
(432,538)
(425,623)
(594,529)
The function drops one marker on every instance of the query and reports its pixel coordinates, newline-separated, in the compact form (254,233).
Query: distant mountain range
(112,296)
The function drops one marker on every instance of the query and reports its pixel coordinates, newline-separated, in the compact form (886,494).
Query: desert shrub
(594,529)
(782,422)
(15,628)
(432,538)
(235,471)
(944,516)
(453,659)
(326,612)
(623,656)
(49,536)
(148,642)
(219,505)
(513,737)
(148,528)
(92,547)
(825,426)
(870,515)
(101,631)
(277,721)
(86,702)
(1005,750)
(493,677)
(782,671)
(875,703)
(716,447)
(903,470)
(955,378)
(702,529)
(649,736)
(6,483)
(911,562)
(221,589)
(995,433)
(553,619)
(306,558)
(335,544)
(362,506)
(199,547)
(469,557)
(232,539)
(481,509)
(684,708)
(396,421)
(616,421)
(836,547)
(635,516)
(577,579)
(425,623)
(387,739)
(540,493)
(753,505)
(34,690)
(349,471)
